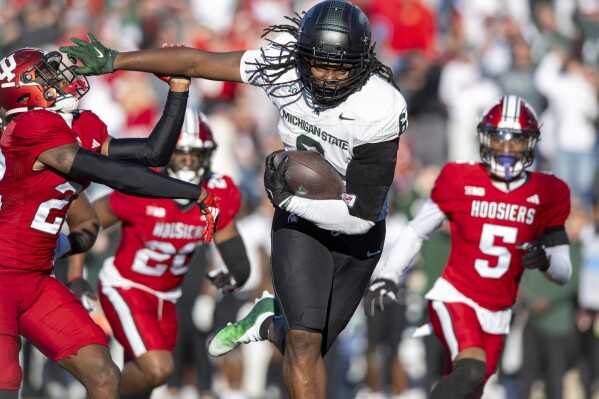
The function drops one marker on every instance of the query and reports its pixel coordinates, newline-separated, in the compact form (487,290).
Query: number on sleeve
(216,181)
(403,122)
(488,247)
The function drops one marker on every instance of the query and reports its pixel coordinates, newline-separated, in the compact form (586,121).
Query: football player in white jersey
(335,97)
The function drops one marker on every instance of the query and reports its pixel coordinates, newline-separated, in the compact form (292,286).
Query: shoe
(245,330)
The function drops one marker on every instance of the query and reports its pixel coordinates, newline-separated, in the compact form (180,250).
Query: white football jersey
(373,114)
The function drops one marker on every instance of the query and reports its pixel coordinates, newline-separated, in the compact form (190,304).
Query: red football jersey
(34,202)
(487,224)
(158,238)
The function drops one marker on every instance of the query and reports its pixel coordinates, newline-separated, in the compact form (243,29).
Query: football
(311,176)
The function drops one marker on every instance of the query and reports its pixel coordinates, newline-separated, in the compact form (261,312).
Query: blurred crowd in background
(452,59)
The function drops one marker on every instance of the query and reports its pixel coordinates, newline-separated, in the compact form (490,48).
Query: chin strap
(66,103)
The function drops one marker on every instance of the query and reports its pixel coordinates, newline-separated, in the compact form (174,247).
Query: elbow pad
(157,149)
(234,255)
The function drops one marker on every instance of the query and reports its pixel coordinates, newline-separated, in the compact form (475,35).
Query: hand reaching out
(209,208)
(97,59)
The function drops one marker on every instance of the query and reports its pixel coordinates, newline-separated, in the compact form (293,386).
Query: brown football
(311,176)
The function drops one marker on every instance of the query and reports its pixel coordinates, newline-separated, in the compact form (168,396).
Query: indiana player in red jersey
(140,285)
(503,221)
(49,152)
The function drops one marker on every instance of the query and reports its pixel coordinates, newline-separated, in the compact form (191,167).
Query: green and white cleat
(245,330)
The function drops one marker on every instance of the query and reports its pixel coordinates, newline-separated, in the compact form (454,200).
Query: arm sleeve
(130,178)
(406,248)
(329,215)
(369,175)
(560,266)
(234,254)
(157,149)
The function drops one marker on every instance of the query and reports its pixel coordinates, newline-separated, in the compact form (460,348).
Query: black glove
(222,280)
(535,256)
(274,181)
(381,291)
(84,292)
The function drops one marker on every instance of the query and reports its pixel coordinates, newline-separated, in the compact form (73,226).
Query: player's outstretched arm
(158,147)
(129,178)
(173,61)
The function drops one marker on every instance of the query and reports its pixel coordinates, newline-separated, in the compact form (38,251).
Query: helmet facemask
(334,91)
(190,165)
(192,157)
(507,152)
(335,34)
(60,86)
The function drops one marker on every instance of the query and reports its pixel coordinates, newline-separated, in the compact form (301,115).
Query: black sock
(264,327)
(466,377)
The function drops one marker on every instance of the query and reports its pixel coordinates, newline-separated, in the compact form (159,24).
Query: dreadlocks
(277,66)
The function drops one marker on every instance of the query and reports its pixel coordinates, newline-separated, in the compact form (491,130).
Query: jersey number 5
(488,247)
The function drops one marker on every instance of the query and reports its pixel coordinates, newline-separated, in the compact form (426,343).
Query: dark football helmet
(338,33)
(508,133)
(32,77)
(196,139)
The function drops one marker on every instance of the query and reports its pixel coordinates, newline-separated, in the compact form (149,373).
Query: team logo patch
(349,199)
(474,191)
(155,211)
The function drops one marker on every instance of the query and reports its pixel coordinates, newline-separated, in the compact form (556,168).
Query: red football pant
(458,328)
(44,311)
(140,321)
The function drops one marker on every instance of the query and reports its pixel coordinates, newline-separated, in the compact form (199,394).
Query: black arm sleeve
(130,178)
(554,236)
(157,149)
(235,257)
(368,177)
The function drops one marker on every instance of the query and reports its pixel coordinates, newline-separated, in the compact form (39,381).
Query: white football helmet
(196,141)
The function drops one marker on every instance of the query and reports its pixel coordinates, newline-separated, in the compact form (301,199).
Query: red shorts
(458,328)
(44,311)
(140,321)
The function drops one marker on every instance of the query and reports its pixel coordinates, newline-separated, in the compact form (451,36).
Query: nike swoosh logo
(371,254)
(100,55)
(344,118)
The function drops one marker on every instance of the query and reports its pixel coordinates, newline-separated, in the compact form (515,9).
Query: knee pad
(470,373)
